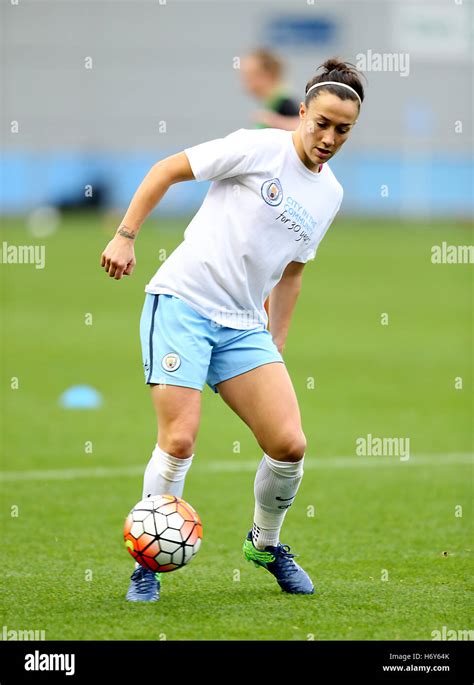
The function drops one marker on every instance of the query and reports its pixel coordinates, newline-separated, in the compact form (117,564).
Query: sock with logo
(275,487)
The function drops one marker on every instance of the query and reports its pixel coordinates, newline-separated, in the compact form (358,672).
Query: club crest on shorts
(272,192)
(171,361)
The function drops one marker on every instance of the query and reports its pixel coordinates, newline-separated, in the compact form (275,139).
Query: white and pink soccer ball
(163,533)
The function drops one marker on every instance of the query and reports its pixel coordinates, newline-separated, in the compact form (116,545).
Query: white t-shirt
(263,210)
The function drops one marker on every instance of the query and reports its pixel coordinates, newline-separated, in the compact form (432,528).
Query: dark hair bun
(335,64)
(335,69)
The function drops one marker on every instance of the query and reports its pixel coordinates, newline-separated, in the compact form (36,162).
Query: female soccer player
(272,199)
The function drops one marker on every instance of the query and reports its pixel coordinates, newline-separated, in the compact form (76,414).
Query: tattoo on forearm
(125,234)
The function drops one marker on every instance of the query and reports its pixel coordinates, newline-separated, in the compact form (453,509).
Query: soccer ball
(163,533)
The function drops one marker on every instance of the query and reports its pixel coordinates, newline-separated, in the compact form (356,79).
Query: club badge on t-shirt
(272,192)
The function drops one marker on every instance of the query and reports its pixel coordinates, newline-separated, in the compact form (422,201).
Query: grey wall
(173,62)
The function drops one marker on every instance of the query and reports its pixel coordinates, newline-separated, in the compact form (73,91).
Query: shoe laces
(144,579)
(286,557)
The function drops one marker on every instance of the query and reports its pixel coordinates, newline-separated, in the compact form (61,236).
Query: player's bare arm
(282,303)
(118,258)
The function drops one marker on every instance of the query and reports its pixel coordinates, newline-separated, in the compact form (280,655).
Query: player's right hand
(118,258)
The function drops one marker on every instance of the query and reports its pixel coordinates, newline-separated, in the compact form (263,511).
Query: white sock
(276,485)
(165,474)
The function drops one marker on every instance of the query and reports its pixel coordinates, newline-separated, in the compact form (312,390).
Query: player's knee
(290,447)
(177,444)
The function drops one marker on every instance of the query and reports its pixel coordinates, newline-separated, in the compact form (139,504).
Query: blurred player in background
(262,78)
(203,319)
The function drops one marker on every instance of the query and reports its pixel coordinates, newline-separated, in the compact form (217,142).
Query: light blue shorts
(181,347)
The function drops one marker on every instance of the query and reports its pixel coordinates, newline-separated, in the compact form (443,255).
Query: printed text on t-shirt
(293,226)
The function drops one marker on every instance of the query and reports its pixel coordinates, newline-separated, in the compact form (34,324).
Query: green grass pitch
(388,546)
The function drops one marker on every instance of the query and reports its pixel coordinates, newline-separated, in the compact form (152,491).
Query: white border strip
(236,466)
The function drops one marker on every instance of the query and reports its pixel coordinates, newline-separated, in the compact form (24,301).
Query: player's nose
(328,140)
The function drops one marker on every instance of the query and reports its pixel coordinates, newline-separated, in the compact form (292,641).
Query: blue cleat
(278,560)
(144,586)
